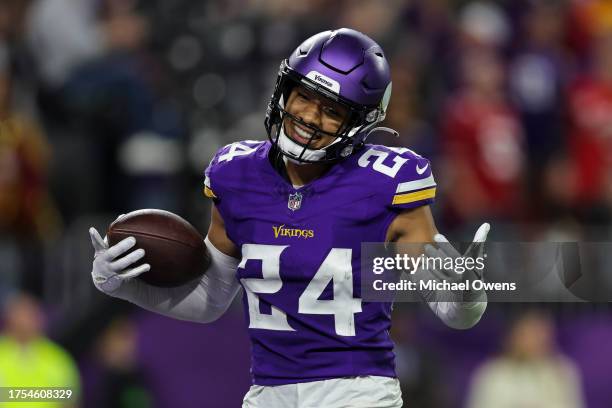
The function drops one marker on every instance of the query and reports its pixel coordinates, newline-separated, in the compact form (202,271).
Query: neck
(300,175)
(22,338)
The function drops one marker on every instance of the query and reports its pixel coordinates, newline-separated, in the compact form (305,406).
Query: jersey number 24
(336,268)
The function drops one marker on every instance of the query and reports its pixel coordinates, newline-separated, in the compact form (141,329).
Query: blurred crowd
(107,106)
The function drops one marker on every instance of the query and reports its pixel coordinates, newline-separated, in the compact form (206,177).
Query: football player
(288,220)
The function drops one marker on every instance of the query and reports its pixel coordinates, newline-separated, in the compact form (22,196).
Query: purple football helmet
(345,66)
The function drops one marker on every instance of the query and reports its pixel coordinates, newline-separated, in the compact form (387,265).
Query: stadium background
(112,105)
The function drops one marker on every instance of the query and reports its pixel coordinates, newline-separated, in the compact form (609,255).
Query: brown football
(174,248)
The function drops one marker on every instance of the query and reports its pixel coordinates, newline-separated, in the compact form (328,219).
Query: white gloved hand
(109,271)
(444,251)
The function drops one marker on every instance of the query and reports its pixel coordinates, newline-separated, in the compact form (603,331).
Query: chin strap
(294,151)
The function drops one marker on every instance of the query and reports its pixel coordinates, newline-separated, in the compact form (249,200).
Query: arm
(417,226)
(203,301)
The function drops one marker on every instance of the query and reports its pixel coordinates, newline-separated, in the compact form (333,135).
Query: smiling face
(315,110)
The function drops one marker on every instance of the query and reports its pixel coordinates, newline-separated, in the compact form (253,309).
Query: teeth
(302,133)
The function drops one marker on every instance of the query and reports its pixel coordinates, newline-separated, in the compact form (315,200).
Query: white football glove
(109,269)
(445,250)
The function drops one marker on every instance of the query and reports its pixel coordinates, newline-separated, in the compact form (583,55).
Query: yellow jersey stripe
(209,193)
(415,196)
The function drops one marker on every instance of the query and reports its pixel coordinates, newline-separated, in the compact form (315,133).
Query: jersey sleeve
(414,185)
(208,191)
(212,177)
(228,167)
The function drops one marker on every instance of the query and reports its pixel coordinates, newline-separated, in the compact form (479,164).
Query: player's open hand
(111,266)
(458,268)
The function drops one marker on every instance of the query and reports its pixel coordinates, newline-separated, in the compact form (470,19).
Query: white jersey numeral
(379,165)
(238,149)
(336,268)
(270,283)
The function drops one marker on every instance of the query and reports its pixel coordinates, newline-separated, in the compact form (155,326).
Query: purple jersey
(301,254)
